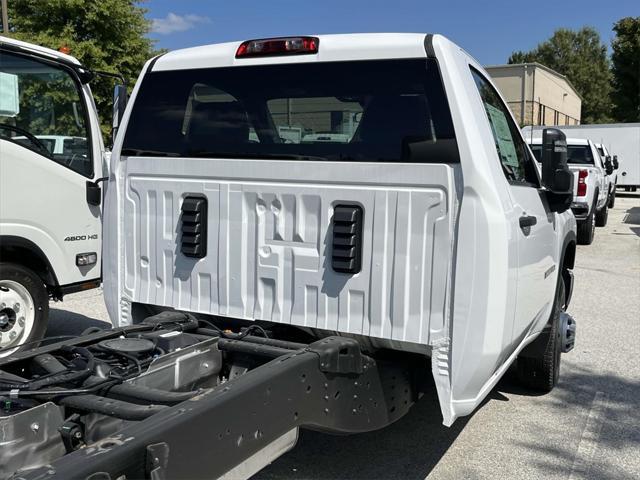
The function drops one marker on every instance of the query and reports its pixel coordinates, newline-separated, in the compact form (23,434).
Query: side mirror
(119,104)
(608,166)
(94,192)
(616,165)
(556,176)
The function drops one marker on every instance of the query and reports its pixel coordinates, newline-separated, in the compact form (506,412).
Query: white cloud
(176,23)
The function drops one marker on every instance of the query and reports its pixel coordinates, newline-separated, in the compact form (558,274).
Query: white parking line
(589,438)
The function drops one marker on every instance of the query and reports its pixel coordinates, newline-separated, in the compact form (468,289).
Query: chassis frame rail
(329,386)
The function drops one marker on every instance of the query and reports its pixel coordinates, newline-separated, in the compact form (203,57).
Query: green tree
(625,68)
(107,35)
(582,58)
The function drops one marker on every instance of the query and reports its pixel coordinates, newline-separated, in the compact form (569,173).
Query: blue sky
(489,30)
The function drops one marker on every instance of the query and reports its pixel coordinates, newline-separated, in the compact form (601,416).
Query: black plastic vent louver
(194,227)
(346,256)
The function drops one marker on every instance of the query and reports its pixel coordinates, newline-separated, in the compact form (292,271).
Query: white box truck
(622,140)
(52,159)
(259,285)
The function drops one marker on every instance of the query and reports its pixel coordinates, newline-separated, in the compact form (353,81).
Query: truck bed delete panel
(269,245)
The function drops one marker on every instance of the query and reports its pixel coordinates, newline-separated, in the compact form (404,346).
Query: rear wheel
(539,363)
(602,216)
(586,229)
(612,198)
(24,307)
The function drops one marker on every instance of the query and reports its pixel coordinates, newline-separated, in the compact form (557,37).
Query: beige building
(537,95)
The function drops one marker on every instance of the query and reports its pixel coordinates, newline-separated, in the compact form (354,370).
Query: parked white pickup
(590,188)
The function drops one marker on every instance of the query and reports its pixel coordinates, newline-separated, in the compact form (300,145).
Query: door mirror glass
(616,165)
(119,104)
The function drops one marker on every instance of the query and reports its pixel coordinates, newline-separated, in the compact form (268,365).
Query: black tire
(538,364)
(586,230)
(612,199)
(602,216)
(35,287)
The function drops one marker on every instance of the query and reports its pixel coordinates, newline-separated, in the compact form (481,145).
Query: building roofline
(538,65)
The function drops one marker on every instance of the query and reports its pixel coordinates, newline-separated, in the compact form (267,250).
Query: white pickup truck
(260,284)
(591,185)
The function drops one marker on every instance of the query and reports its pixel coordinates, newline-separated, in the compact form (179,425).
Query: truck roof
(43,51)
(343,47)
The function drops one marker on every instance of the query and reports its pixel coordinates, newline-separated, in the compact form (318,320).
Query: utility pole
(5,16)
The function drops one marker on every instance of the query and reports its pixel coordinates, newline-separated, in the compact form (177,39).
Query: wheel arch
(24,252)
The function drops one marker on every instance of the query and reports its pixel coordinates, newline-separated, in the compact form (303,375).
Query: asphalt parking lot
(587,428)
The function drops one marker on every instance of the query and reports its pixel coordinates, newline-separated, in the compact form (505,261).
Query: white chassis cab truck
(260,284)
(52,159)
(590,203)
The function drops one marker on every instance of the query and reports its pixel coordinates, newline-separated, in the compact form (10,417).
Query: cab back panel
(269,242)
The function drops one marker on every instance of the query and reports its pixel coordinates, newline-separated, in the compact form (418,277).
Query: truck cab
(51,156)
(305,229)
(591,185)
(363,228)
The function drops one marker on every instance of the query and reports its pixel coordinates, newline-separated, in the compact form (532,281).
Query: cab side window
(41,109)
(514,157)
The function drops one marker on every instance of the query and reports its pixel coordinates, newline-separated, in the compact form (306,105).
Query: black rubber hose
(111,407)
(129,391)
(240,346)
(254,339)
(66,376)
(271,341)
(149,395)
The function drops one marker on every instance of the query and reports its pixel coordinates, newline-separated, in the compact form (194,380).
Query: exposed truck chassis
(237,427)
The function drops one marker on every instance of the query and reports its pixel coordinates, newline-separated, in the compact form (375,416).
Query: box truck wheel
(24,307)
(612,198)
(539,363)
(602,216)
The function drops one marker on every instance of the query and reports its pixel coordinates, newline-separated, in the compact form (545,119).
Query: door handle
(527,221)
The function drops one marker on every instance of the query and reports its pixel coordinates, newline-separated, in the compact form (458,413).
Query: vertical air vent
(346,256)
(193,223)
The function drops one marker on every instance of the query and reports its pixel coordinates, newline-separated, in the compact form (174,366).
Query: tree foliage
(582,58)
(625,61)
(107,35)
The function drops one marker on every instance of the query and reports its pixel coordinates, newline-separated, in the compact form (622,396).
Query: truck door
(534,225)
(47,135)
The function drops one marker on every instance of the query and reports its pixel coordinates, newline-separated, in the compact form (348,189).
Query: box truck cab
(51,158)
(313,280)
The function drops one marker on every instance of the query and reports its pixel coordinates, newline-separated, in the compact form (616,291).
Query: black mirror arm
(98,181)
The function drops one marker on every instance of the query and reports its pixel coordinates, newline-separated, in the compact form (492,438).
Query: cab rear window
(387,111)
(578,154)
